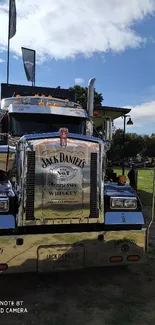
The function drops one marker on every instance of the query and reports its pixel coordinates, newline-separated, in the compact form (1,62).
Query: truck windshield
(21,124)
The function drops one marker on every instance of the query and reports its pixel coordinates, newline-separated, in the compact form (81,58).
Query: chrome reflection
(7,157)
(60,252)
(62,181)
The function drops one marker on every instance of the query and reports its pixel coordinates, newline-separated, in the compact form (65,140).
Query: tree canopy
(81,95)
(134,144)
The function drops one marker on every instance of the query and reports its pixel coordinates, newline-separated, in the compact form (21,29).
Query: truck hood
(113,189)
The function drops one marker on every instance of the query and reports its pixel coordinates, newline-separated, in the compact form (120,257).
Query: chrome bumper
(60,252)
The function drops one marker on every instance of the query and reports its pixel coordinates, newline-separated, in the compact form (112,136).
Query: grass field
(104,296)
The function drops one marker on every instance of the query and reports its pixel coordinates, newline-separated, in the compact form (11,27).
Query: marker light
(133,258)
(66,100)
(56,105)
(42,95)
(115,259)
(78,107)
(122,179)
(49,104)
(3,267)
(41,104)
(18,96)
(95,113)
(36,95)
(49,96)
(15,102)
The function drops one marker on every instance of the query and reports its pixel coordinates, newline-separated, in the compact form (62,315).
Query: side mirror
(7,157)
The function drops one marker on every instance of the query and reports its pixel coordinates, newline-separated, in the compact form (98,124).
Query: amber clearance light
(96,113)
(133,258)
(49,104)
(41,104)
(116,259)
(122,179)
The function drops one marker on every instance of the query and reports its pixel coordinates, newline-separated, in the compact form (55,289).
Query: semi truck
(59,208)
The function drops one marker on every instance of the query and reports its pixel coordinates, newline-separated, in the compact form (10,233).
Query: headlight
(4,204)
(123,203)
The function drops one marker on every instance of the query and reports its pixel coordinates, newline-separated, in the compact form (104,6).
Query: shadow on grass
(102,295)
(146,198)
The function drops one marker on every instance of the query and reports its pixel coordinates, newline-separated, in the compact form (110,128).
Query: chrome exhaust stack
(90,97)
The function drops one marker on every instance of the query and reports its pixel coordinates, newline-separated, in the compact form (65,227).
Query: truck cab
(56,194)
(45,113)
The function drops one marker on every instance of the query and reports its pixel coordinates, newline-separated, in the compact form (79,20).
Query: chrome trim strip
(57,135)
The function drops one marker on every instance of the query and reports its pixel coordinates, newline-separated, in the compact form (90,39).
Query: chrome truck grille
(30,185)
(63,184)
(93,186)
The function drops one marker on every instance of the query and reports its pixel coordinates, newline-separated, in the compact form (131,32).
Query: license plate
(60,257)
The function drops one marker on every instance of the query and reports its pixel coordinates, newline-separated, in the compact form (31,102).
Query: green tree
(134,144)
(149,145)
(81,95)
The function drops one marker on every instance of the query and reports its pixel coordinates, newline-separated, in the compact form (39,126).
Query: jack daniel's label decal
(63,158)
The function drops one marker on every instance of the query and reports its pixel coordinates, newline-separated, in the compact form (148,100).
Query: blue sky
(118,49)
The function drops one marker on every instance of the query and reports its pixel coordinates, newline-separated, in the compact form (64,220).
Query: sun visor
(36,109)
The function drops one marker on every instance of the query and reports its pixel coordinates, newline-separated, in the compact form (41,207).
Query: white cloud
(15,57)
(79,81)
(65,28)
(141,115)
(2,60)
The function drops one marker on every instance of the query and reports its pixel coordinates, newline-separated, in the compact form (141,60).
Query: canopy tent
(112,112)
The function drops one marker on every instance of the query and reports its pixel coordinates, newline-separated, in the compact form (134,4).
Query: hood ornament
(63,137)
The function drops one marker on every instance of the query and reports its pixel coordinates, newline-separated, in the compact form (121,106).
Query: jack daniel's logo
(62,158)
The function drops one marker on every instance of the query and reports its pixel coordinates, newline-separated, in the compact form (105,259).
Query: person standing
(133,177)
